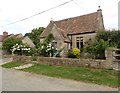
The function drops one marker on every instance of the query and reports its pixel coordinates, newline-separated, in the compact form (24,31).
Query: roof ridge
(75,17)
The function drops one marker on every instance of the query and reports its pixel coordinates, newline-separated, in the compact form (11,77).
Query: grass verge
(12,64)
(98,76)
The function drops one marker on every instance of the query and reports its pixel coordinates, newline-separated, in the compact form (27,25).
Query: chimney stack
(5,34)
(99,9)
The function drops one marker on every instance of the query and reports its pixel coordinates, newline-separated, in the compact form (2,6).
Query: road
(4,60)
(14,80)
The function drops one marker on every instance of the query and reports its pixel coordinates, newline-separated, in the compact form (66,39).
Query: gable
(28,41)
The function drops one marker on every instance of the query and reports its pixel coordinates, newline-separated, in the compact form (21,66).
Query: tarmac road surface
(15,80)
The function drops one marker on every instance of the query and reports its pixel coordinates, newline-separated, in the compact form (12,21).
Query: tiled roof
(75,25)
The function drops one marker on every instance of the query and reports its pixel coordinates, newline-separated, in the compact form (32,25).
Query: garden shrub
(47,48)
(96,48)
(10,42)
(74,53)
(21,49)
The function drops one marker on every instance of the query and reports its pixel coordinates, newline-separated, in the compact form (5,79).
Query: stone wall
(110,54)
(25,59)
(75,62)
(66,61)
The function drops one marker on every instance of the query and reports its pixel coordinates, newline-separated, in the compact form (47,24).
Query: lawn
(99,76)
(12,64)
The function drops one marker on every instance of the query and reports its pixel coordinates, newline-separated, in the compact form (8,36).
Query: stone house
(74,32)
(25,39)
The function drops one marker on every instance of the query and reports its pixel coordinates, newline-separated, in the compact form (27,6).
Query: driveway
(14,80)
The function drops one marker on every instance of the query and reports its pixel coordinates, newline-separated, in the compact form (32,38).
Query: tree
(9,42)
(34,35)
(103,40)
(112,36)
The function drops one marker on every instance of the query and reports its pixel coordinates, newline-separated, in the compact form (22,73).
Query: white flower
(52,47)
(13,47)
(42,47)
(50,44)
(26,49)
(18,49)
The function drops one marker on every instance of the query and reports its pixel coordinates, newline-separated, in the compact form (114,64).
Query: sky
(14,10)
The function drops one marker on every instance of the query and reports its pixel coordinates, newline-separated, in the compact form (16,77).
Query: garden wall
(66,61)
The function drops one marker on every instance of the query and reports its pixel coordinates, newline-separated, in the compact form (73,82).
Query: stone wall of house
(86,37)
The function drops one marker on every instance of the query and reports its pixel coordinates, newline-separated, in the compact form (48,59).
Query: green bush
(113,37)
(96,48)
(10,42)
(74,53)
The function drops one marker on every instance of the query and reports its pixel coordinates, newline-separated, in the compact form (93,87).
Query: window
(54,43)
(79,42)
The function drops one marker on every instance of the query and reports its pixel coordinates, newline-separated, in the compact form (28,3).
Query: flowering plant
(21,49)
(48,50)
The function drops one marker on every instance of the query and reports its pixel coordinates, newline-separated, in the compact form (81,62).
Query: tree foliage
(10,42)
(112,36)
(97,48)
(48,39)
(103,40)
(34,35)
(46,47)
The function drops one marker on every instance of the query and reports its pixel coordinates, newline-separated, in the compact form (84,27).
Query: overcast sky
(14,10)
